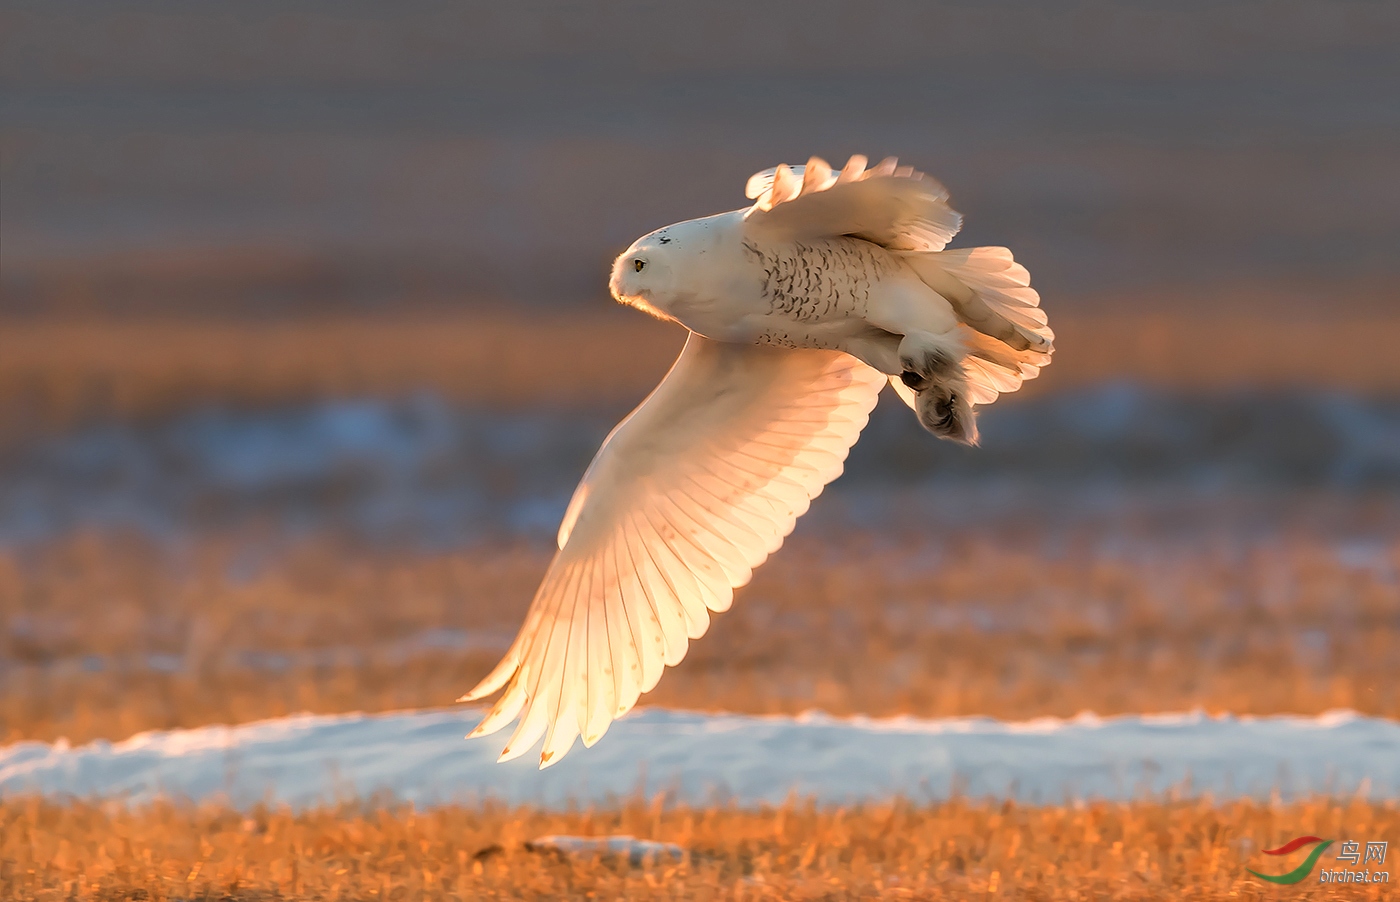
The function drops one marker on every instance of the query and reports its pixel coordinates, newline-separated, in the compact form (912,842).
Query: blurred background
(305,340)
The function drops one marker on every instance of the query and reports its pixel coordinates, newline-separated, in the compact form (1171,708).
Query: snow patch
(421,757)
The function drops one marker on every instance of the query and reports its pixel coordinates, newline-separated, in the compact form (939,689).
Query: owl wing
(890,205)
(691,492)
(1007,335)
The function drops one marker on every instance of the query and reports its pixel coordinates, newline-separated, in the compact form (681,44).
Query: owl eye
(639,265)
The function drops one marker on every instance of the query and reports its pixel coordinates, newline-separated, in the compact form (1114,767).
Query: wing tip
(481,690)
(498,677)
(509,754)
(783,183)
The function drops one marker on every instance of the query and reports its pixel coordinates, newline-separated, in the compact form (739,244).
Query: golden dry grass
(1184,850)
(57,372)
(996,621)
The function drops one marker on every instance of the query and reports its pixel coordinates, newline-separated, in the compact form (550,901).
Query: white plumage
(800,308)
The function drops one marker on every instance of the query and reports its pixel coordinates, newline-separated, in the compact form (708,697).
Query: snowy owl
(800,308)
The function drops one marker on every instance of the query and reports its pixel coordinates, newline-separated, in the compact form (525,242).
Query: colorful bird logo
(1298,874)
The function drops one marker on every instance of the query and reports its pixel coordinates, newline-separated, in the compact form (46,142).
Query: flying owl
(800,308)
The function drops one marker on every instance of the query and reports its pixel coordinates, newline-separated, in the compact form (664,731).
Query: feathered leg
(933,370)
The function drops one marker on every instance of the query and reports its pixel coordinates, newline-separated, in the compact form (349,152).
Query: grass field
(108,637)
(107,634)
(1282,602)
(1185,850)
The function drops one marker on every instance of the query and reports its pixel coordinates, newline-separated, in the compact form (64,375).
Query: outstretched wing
(691,492)
(891,205)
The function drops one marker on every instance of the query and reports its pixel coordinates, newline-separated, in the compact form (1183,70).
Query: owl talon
(914,380)
(945,411)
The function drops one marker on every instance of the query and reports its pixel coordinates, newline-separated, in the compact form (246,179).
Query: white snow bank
(420,756)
